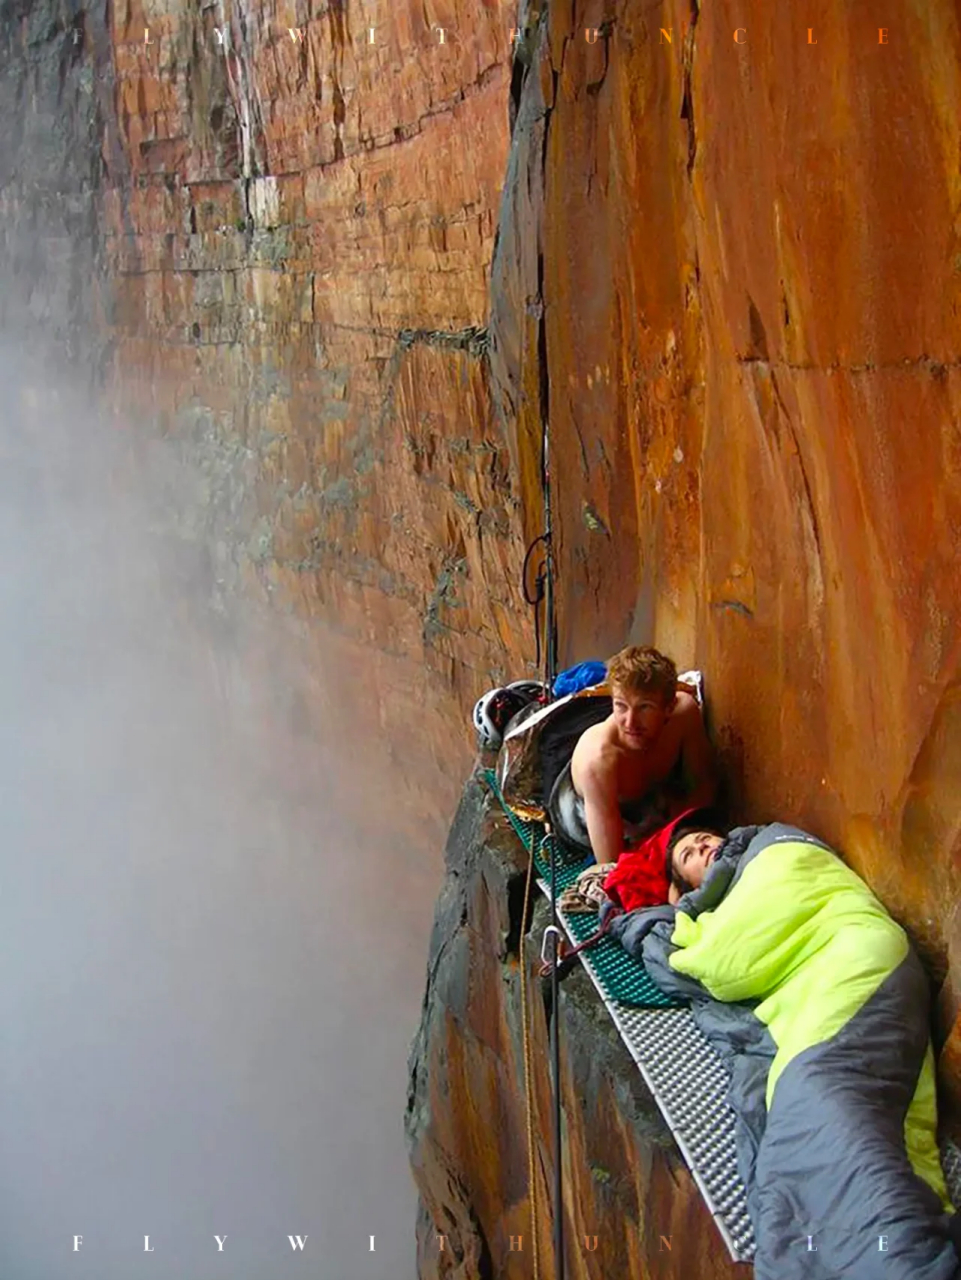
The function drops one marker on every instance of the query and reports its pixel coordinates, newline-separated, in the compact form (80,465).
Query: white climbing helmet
(530,690)
(493,711)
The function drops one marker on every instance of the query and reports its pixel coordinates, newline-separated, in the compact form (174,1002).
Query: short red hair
(641,669)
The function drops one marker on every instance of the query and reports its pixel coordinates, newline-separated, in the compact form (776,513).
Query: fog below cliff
(211,960)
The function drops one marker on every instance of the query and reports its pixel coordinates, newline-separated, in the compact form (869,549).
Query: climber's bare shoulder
(594,764)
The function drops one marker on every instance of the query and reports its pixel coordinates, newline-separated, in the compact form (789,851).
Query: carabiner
(548,964)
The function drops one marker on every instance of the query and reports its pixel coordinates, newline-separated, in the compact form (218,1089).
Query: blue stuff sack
(580,677)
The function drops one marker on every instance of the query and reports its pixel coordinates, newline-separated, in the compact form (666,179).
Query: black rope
(535,600)
(543,594)
(550,671)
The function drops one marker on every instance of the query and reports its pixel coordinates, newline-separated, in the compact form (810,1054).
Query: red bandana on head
(640,878)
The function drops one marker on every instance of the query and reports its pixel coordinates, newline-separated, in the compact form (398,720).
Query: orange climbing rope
(525,1025)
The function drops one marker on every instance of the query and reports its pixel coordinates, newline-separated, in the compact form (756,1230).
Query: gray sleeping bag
(812,995)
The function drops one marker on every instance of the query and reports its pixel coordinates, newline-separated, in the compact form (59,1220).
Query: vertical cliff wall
(267,229)
(349,256)
(272,228)
(746,336)
(746,342)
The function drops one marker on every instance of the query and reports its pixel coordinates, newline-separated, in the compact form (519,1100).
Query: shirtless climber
(623,779)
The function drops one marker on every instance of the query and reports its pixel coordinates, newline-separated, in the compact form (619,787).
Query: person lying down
(641,876)
(814,997)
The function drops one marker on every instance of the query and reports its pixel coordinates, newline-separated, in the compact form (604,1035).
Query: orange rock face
(750,285)
(299,239)
(719,252)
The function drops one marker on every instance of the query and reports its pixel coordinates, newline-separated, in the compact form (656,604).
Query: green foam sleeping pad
(622,977)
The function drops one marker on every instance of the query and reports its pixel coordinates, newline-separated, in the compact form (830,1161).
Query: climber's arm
(605,825)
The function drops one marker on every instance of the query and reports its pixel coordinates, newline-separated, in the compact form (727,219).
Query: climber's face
(639,716)
(694,855)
